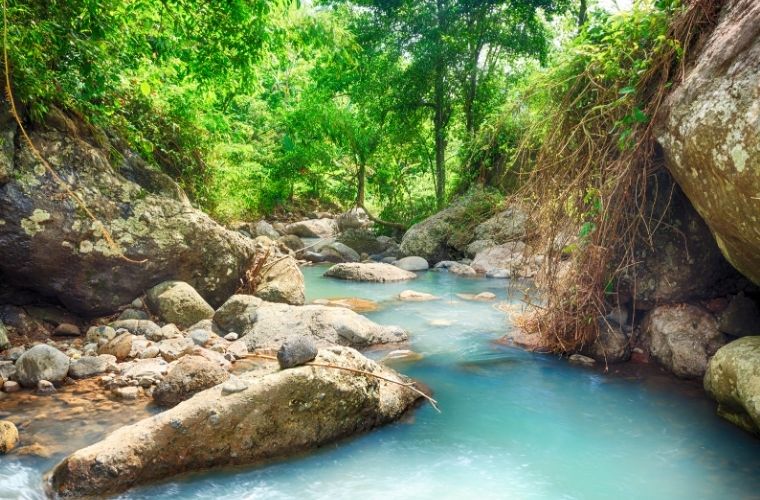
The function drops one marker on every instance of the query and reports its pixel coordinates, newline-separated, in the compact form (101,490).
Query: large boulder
(708,130)
(189,376)
(276,323)
(177,302)
(313,228)
(514,256)
(238,314)
(610,346)
(364,241)
(356,218)
(338,252)
(733,380)
(281,280)
(41,362)
(682,338)
(254,419)
(432,237)
(51,246)
(375,272)
(412,263)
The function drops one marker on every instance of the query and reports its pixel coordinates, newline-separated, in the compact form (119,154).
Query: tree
(450,50)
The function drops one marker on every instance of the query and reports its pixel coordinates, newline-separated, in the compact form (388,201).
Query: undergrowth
(589,183)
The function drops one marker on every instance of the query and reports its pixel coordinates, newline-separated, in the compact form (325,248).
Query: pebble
(126,393)
(232,336)
(580,359)
(11,386)
(45,387)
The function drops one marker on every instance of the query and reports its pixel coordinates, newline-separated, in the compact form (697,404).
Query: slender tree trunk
(582,13)
(360,183)
(440,119)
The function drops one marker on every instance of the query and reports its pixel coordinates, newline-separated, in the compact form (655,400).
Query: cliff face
(710,132)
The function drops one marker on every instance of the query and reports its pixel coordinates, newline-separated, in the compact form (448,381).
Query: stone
(480,297)
(354,303)
(236,428)
(282,281)
(189,376)
(8,436)
(213,356)
(233,385)
(733,380)
(200,337)
(263,228)
(313,228)
(507,225)
(138,303)
(168,331)
(498,273)
(67,330)
(64,255)
(433,238)
(11,386)
(291,242)
(45,388)
(154,368)
(89,366)
(682,338)
(338,252)
(611,346)
(237,349)
(741,318)
(411,295)
(412,263)
(580,359)
(237,314)
(232,336)
(128,393)
(15,352)
(120,346)
(95,333)
(364,241)
(375,272)
(510,256)
(276,323)
(356,218)
(41,362)
(296,351)
(172,349)
(179,303)
(707,127)
(139,327)
(4,342)
(400,356)
(133,314)
(7,371)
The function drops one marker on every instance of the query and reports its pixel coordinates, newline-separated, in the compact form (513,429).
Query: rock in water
(8,436)
(41,362)
(189,376)
(296,351)
(709,134)
(369,272)
(276,415)
(411,295)
(50,246)
(683,337)
(177,302)
(733,380)
(412,263)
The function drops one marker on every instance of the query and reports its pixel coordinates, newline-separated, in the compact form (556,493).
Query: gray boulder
(89,366)
(291,241)
(364,241)
(296,351)
(412,263)
(179,303)
(276,323)
(142,327)
(733,380)
(682,338)
(356,218)
(313,228)
(281,281)
(237,314)
(376,272)
(339,252)
(41,362)
(52,247)
(263,228)
(189,376)
(225,428)
(611,346)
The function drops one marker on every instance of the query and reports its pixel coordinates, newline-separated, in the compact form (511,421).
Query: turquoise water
(513,424)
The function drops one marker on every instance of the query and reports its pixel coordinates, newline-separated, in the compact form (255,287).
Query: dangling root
(409,385)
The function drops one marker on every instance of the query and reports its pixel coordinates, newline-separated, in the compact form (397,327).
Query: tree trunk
(440,118)
(360,183)
(582,13)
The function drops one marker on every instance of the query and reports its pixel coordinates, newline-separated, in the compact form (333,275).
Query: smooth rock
(217,428)
(611,346)
(8,436)
(580,359)
(11,386)
(45,387)
(129,393)
(41,362)
(139,327)
(339,252)
(263,228)
(733,380)
(296,351)
(172,349)
(237,314)
(132,314)
(291,242)
(375,272)
(67,330)
(313,228)
(95,333)
(200,337)
(189,376)
(232,336)
(412,263)
(282,281)
(179,303)
(89,366)
(120,346)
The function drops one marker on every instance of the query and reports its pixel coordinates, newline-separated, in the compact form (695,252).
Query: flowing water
(513,424)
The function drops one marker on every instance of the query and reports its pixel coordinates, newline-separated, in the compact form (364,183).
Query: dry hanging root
(409,385)
(61,183)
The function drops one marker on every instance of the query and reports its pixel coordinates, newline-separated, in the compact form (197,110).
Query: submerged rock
(354,303)
(682,338)
(275,415)
(733,380)
(413,296)
(376,272)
